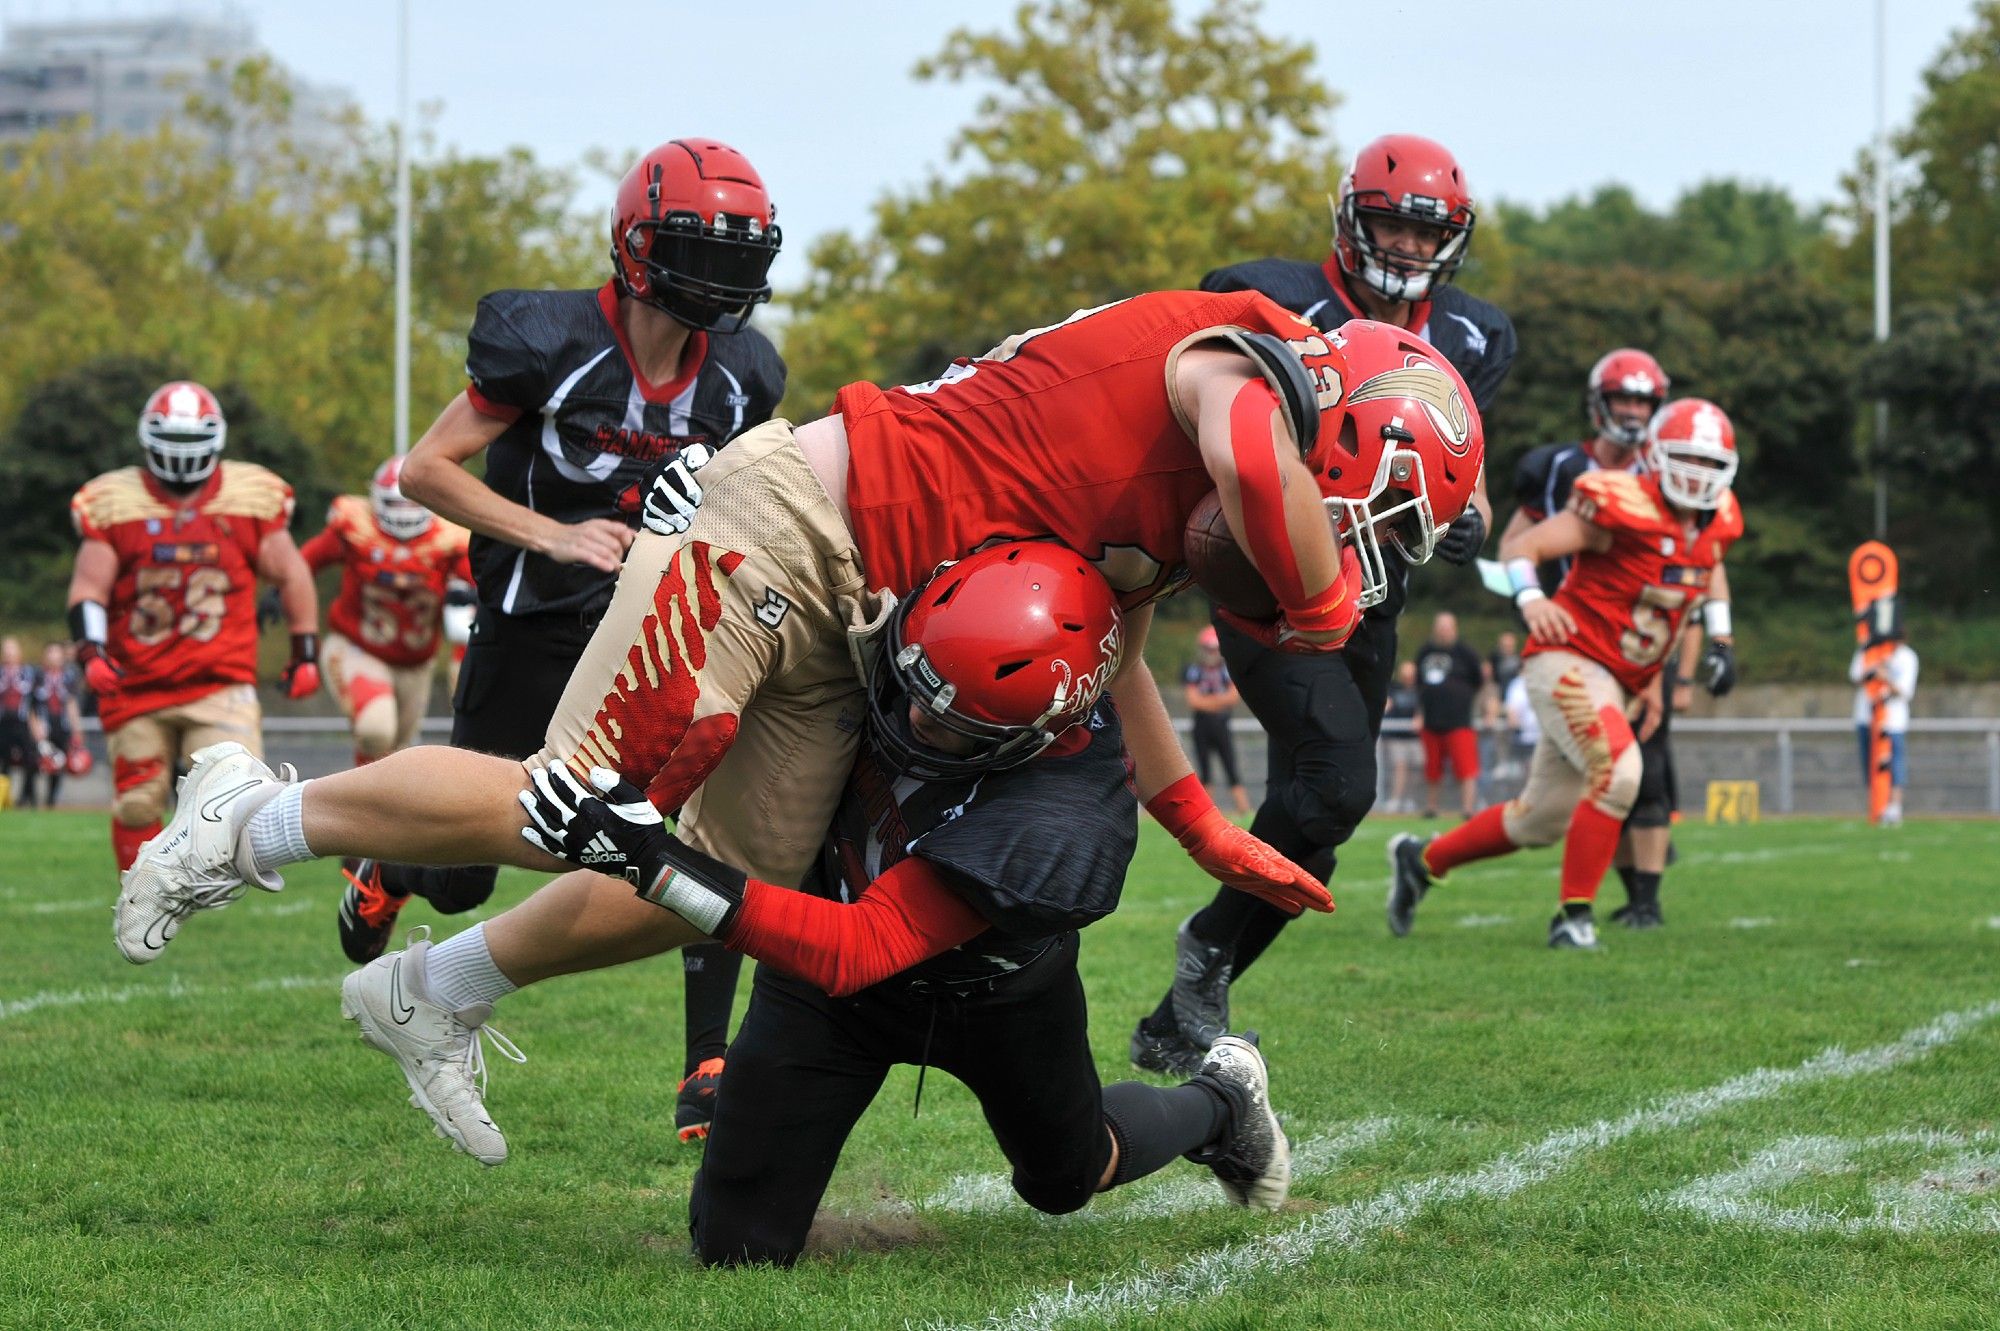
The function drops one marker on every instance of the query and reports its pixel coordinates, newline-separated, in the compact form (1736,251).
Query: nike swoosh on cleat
(209,805)
(158,927)
(398,1009)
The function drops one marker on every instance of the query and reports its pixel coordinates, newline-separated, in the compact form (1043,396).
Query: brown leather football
(1219,564)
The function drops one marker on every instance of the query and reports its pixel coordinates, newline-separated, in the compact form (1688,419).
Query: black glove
(1462,540)
(1717,668)
(675,496)
(617,831)
(270,608)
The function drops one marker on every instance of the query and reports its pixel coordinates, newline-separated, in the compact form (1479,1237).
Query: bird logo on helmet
(1001,653)
(182,430)
(1415,179)
(1627,372)
(693,233)
(400,518)
(1691,447)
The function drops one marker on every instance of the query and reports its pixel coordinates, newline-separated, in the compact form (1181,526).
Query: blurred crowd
(41,724)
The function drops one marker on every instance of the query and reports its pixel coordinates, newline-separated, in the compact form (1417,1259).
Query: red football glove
(301,677)
(79,760)
(1331,620)
(1231,855)
(100,672)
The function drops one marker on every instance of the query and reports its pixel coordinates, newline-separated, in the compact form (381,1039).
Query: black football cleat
(1573,929)
(1409,880)
(694,1109)
(1167,1053)
(367,911)
(1200,993)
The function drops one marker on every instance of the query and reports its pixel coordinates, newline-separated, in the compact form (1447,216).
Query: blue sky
(1539,100)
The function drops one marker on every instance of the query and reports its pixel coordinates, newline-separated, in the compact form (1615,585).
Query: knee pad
(456,890)
(1531,824)
(140,791)
(1621,784)
(1327,802)
(1055,1196)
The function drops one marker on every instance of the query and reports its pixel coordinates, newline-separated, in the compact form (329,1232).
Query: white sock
(277,831)
(460,972)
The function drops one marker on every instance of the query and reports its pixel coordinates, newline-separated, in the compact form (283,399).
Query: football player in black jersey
(578,400)
(1400,231)
(1624,390)
(934,932)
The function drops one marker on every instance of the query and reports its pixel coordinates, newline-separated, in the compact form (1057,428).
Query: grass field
(1491,1135)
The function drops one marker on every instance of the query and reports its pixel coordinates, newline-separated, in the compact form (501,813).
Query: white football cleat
(192,864)
(437,1049)
(1253,1162)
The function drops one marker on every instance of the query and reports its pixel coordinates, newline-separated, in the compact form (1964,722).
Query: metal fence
(1801,764)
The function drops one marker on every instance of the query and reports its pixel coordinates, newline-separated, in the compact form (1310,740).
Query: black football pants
(804,1066)
(1322,716)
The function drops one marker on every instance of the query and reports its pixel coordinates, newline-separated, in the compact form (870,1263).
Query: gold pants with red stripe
(725,676)
(145,750)
(1586,752)
(384,704)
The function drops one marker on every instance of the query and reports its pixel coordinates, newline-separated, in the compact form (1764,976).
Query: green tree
(1120,149)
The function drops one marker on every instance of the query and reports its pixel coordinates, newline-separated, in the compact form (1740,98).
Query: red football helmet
(1691,447)
(693,233)
(182,431)
(399,518)
(1403,176)
(1633,373)
(1408,453)
(1005,649)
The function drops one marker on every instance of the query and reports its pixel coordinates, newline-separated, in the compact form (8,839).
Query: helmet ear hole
(1009,668)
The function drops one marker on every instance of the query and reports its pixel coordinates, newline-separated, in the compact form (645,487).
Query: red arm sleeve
(909,914)
(321,550)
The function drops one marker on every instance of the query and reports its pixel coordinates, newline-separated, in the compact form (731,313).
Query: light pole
(1881,258)
(403,229)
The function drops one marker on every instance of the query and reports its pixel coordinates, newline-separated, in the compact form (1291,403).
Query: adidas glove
(613,829)
(675,495)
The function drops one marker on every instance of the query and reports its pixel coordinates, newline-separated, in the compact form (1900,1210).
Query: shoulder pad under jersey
(1287,375)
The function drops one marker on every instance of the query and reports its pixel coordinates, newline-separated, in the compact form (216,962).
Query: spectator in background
(1504,662)
(1450,676)
(1899,673)
(1212,698)
(57,721)
(1401,751)
(17,740)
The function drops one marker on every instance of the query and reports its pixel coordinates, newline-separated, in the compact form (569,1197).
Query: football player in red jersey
(397,561)
(1648,548)
(163,601)
(723,676)
(1401,228)
(1621,394)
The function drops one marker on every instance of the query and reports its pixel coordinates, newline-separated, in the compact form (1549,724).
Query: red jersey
(183,612)
(1070,431)
(391,591)
(1630,601)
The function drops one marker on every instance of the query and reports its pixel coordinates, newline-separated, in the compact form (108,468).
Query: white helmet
(403,519)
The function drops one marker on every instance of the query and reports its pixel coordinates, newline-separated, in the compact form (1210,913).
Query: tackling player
(578,400)
(1647,549)
(1401,228)
(931,930)
(1624,390)
(396,563)
(723,676)
(162,603)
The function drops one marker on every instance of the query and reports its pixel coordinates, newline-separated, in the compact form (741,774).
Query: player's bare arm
(280,563)
(435,476)
(1556,537)
(96,573)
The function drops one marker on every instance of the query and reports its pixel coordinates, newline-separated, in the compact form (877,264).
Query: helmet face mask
(693,234)
(1000,654)
(182,431)
(399,517)
(1691,448)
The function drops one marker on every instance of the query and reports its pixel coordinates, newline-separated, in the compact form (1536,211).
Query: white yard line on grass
(1483,921)
(1175,1194)
(1938,1199)
(1752,922)
(1353,1225)
(174,988)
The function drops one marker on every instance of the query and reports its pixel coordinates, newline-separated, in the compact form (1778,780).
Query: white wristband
(1715,618)
(1527,594)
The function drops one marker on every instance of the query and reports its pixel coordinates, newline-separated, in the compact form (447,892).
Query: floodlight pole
(403,229)
(1881,258)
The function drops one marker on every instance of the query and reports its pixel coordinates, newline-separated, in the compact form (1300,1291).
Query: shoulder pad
(1290,283)
(251,491)
(1286,373)
(1613,499)
(115,497)
(1728,522)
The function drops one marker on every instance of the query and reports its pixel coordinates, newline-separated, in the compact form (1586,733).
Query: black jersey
(1475,336)
(53,691)
(1542,482)
(1039,850)
(587,435)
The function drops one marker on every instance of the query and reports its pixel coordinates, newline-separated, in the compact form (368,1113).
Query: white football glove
(675,496)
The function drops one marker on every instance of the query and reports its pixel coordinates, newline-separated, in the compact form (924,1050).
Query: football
(1219,565)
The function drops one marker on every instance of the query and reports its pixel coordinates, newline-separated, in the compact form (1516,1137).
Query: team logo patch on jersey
(186,552)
